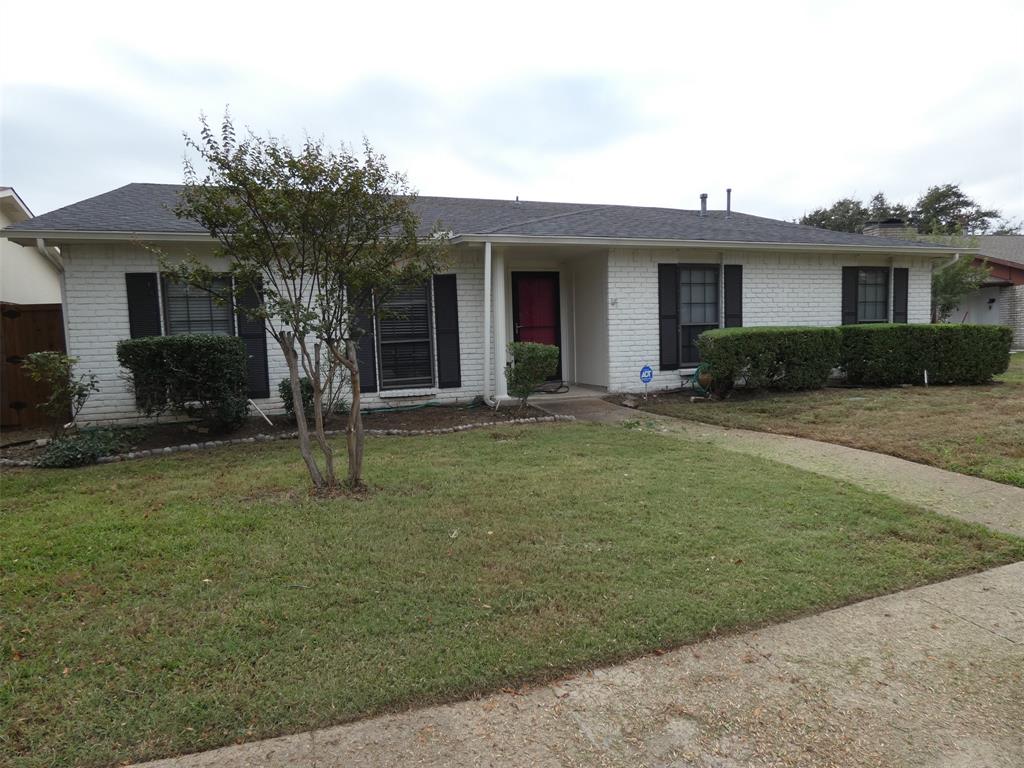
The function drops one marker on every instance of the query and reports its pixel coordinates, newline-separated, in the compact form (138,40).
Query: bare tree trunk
(313,371)
(354,433)
(291,357)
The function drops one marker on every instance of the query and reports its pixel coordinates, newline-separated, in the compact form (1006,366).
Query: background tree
(948,210)
(846,215)
(951,284)
(942,210)
(322,239)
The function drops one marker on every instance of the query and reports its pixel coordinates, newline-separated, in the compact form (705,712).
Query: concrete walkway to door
(998,506)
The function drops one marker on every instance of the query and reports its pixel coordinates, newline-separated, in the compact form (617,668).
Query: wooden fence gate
(25,328)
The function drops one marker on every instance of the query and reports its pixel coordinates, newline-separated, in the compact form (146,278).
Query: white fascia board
(719,245)
(29,237)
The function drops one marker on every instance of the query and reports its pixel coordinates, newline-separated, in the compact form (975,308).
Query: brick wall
(97,318)
(778,289)
(1011,312)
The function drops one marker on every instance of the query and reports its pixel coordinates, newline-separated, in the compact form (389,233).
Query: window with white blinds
(193,310)
(405,341)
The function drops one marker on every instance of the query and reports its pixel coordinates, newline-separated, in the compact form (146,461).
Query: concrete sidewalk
(928,677)
(997,506)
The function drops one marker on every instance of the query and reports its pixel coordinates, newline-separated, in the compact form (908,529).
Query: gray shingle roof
(1005,247)
(147,208)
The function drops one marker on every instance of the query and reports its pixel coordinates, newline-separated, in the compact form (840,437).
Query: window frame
(685,328)
(383,387)
(886,288)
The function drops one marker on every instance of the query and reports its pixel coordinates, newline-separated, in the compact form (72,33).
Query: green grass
(176,604)
(976,430)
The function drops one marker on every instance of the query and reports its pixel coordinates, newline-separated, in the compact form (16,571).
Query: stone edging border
(292,435)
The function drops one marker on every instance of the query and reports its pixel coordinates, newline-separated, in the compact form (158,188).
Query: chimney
(728,202)
(890,228)
(703,203)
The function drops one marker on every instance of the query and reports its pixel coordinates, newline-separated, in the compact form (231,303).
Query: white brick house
(615,287)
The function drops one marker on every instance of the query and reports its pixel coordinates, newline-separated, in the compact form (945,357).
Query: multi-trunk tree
(317,241)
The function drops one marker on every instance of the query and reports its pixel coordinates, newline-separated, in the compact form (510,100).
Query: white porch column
(500,323)
(487,319)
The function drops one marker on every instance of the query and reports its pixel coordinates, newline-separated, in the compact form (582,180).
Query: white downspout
(487,325)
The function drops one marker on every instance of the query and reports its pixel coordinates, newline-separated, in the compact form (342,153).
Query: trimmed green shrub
(201,375)
(886,355)
(86,447)
(769,357)
(335,403)
(529,366)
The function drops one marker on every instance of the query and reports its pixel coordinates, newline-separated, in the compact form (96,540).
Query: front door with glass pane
(535,310)
(698,307)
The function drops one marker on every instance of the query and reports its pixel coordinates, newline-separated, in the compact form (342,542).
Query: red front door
(535,314)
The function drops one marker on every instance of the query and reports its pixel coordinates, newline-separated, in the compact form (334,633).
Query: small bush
(201,375)
(68,393)
(887,355)
(85,447)
(529,366)
(334,402)
(770,357)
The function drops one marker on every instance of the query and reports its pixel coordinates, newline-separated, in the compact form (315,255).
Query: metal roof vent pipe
(728,202)
(703,203)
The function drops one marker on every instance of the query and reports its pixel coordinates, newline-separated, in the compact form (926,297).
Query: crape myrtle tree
(323,238)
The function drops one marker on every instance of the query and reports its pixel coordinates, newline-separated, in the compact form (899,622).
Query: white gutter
(639,242)
(487,326)
(52,254)
(950,263)
(29,237)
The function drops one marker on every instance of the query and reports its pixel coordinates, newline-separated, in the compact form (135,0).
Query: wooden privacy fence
(25,328)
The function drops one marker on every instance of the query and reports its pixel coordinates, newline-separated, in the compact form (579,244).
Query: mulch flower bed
(158,439)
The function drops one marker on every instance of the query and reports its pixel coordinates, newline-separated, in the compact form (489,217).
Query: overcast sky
(793,105)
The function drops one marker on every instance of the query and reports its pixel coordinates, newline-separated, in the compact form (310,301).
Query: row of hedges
(771,358)
(876,354)
(888,355)
(202,375)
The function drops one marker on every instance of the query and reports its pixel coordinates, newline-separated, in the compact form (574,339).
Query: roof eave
(61,237)
(58,237)
(725,245)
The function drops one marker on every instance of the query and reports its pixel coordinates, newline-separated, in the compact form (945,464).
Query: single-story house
(615,287)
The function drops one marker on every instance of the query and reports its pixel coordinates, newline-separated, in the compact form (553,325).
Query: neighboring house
(615,287)
(1000,300)
(30,315)
(31,274)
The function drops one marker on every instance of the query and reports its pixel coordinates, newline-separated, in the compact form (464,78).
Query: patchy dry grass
(977,430)
(170,605)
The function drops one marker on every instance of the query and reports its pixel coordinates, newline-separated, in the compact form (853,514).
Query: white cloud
(791,104)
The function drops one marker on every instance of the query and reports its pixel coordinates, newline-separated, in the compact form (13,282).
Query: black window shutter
(446,329)
(850,295)
(668,316)
(733,295)
(366,355)
(253,334)
(143,304)
(900,287)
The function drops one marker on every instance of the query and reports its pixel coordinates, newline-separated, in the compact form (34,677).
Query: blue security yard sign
(646,375)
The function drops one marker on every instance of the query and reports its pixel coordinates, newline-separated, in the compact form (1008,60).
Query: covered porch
(547,294)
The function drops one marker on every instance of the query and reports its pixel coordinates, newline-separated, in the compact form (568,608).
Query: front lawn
(176,604)
(977,430)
